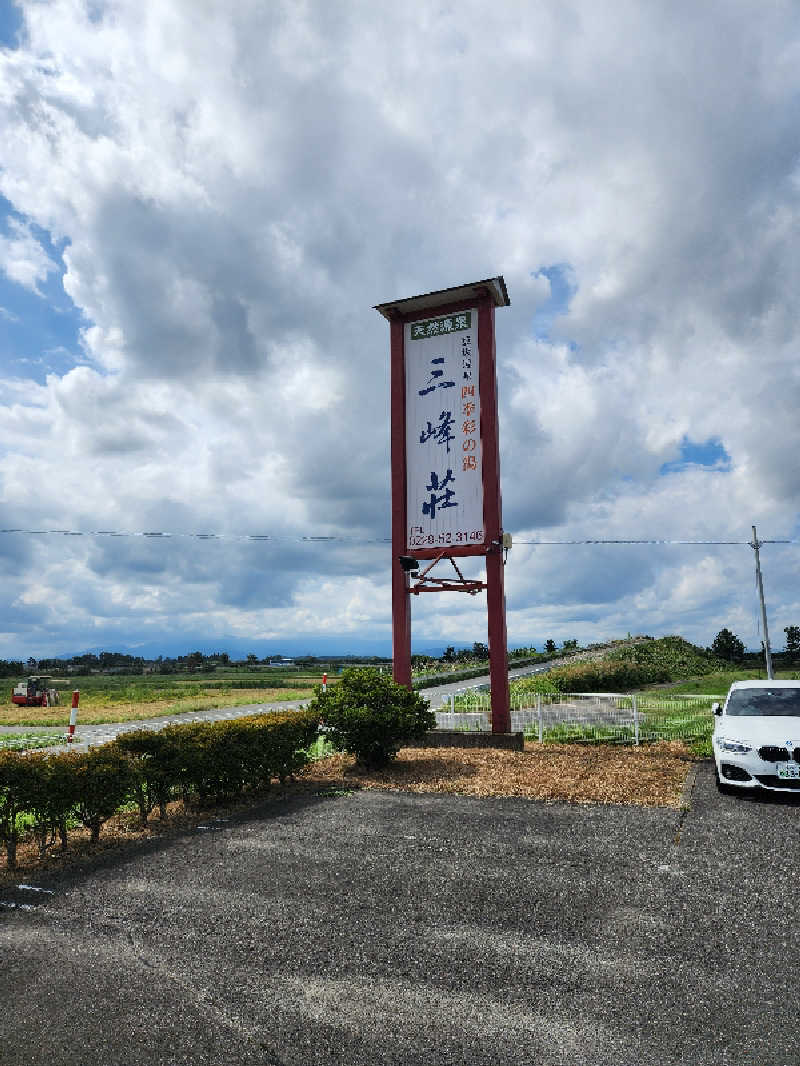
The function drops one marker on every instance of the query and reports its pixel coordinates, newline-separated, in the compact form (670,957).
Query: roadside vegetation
(463,664)
(625,669)
(43,797)
(61,810)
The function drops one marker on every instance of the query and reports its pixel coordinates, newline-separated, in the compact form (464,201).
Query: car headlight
(738,747)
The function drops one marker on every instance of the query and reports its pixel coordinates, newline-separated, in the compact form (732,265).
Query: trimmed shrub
(54,796)
(372,717)
(17,786)
(291,734)
(103,781)
(214,760)
(153,762)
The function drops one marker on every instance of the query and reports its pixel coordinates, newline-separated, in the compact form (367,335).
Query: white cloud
(239,184)
(23,259)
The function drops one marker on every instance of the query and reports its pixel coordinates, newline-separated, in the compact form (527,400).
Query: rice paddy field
(123,698)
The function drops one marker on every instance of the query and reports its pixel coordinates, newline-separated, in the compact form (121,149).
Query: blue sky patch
(39,332)
(562,288)
(10,25)
(709,453)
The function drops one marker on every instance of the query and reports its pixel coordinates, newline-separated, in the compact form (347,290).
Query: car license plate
(789,769)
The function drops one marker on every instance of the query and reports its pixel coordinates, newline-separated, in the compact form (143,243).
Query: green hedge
(204,761)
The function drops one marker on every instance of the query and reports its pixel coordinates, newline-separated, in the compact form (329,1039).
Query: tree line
(726,645)
(194,662)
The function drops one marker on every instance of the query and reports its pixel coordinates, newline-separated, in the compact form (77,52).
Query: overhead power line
(194,536)
(651,541)
(301,539)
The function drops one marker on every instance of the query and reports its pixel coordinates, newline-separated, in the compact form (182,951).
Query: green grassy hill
(634,666)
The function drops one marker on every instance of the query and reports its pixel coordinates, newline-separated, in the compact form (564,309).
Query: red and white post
(324,682)
(73,715)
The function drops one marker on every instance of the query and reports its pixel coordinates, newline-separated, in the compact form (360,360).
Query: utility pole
(755,544)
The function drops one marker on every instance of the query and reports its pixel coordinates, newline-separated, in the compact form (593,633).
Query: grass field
(125,698)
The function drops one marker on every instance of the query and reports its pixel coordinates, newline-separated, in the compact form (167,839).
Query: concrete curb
(688,786)
(460,738)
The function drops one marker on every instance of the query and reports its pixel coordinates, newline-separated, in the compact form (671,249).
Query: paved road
(364,928)
(440,693)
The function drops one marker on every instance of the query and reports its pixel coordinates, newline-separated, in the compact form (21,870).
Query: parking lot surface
(368,927)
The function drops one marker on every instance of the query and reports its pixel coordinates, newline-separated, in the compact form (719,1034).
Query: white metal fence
(586,716)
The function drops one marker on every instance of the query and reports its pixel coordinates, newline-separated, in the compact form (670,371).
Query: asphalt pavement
(365,927)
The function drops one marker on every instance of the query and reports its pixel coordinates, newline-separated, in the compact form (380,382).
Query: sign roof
(496,288)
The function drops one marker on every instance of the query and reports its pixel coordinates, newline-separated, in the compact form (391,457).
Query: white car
(756,737)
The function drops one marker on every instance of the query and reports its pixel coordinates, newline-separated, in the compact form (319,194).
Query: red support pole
(401,599)
(498,644)
(493,523)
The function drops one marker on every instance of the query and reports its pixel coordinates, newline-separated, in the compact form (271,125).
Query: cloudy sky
(200,203)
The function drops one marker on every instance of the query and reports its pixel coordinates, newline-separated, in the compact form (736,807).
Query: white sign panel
(443,442)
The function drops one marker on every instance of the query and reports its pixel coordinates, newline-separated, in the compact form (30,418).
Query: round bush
(372,717)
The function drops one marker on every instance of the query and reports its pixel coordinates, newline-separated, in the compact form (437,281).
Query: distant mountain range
(290,647)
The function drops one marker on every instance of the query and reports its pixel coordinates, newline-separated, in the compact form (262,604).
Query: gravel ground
(362,927)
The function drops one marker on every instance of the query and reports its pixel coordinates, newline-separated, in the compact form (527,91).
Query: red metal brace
(439,584)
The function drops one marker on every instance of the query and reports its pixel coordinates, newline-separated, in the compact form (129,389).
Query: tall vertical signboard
(444,472)
(446,499)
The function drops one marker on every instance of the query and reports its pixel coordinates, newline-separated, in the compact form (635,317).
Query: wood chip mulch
(651,776)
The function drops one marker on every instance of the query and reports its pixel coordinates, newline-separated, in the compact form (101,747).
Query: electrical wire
(193,536)
(650,541)
(359,540)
